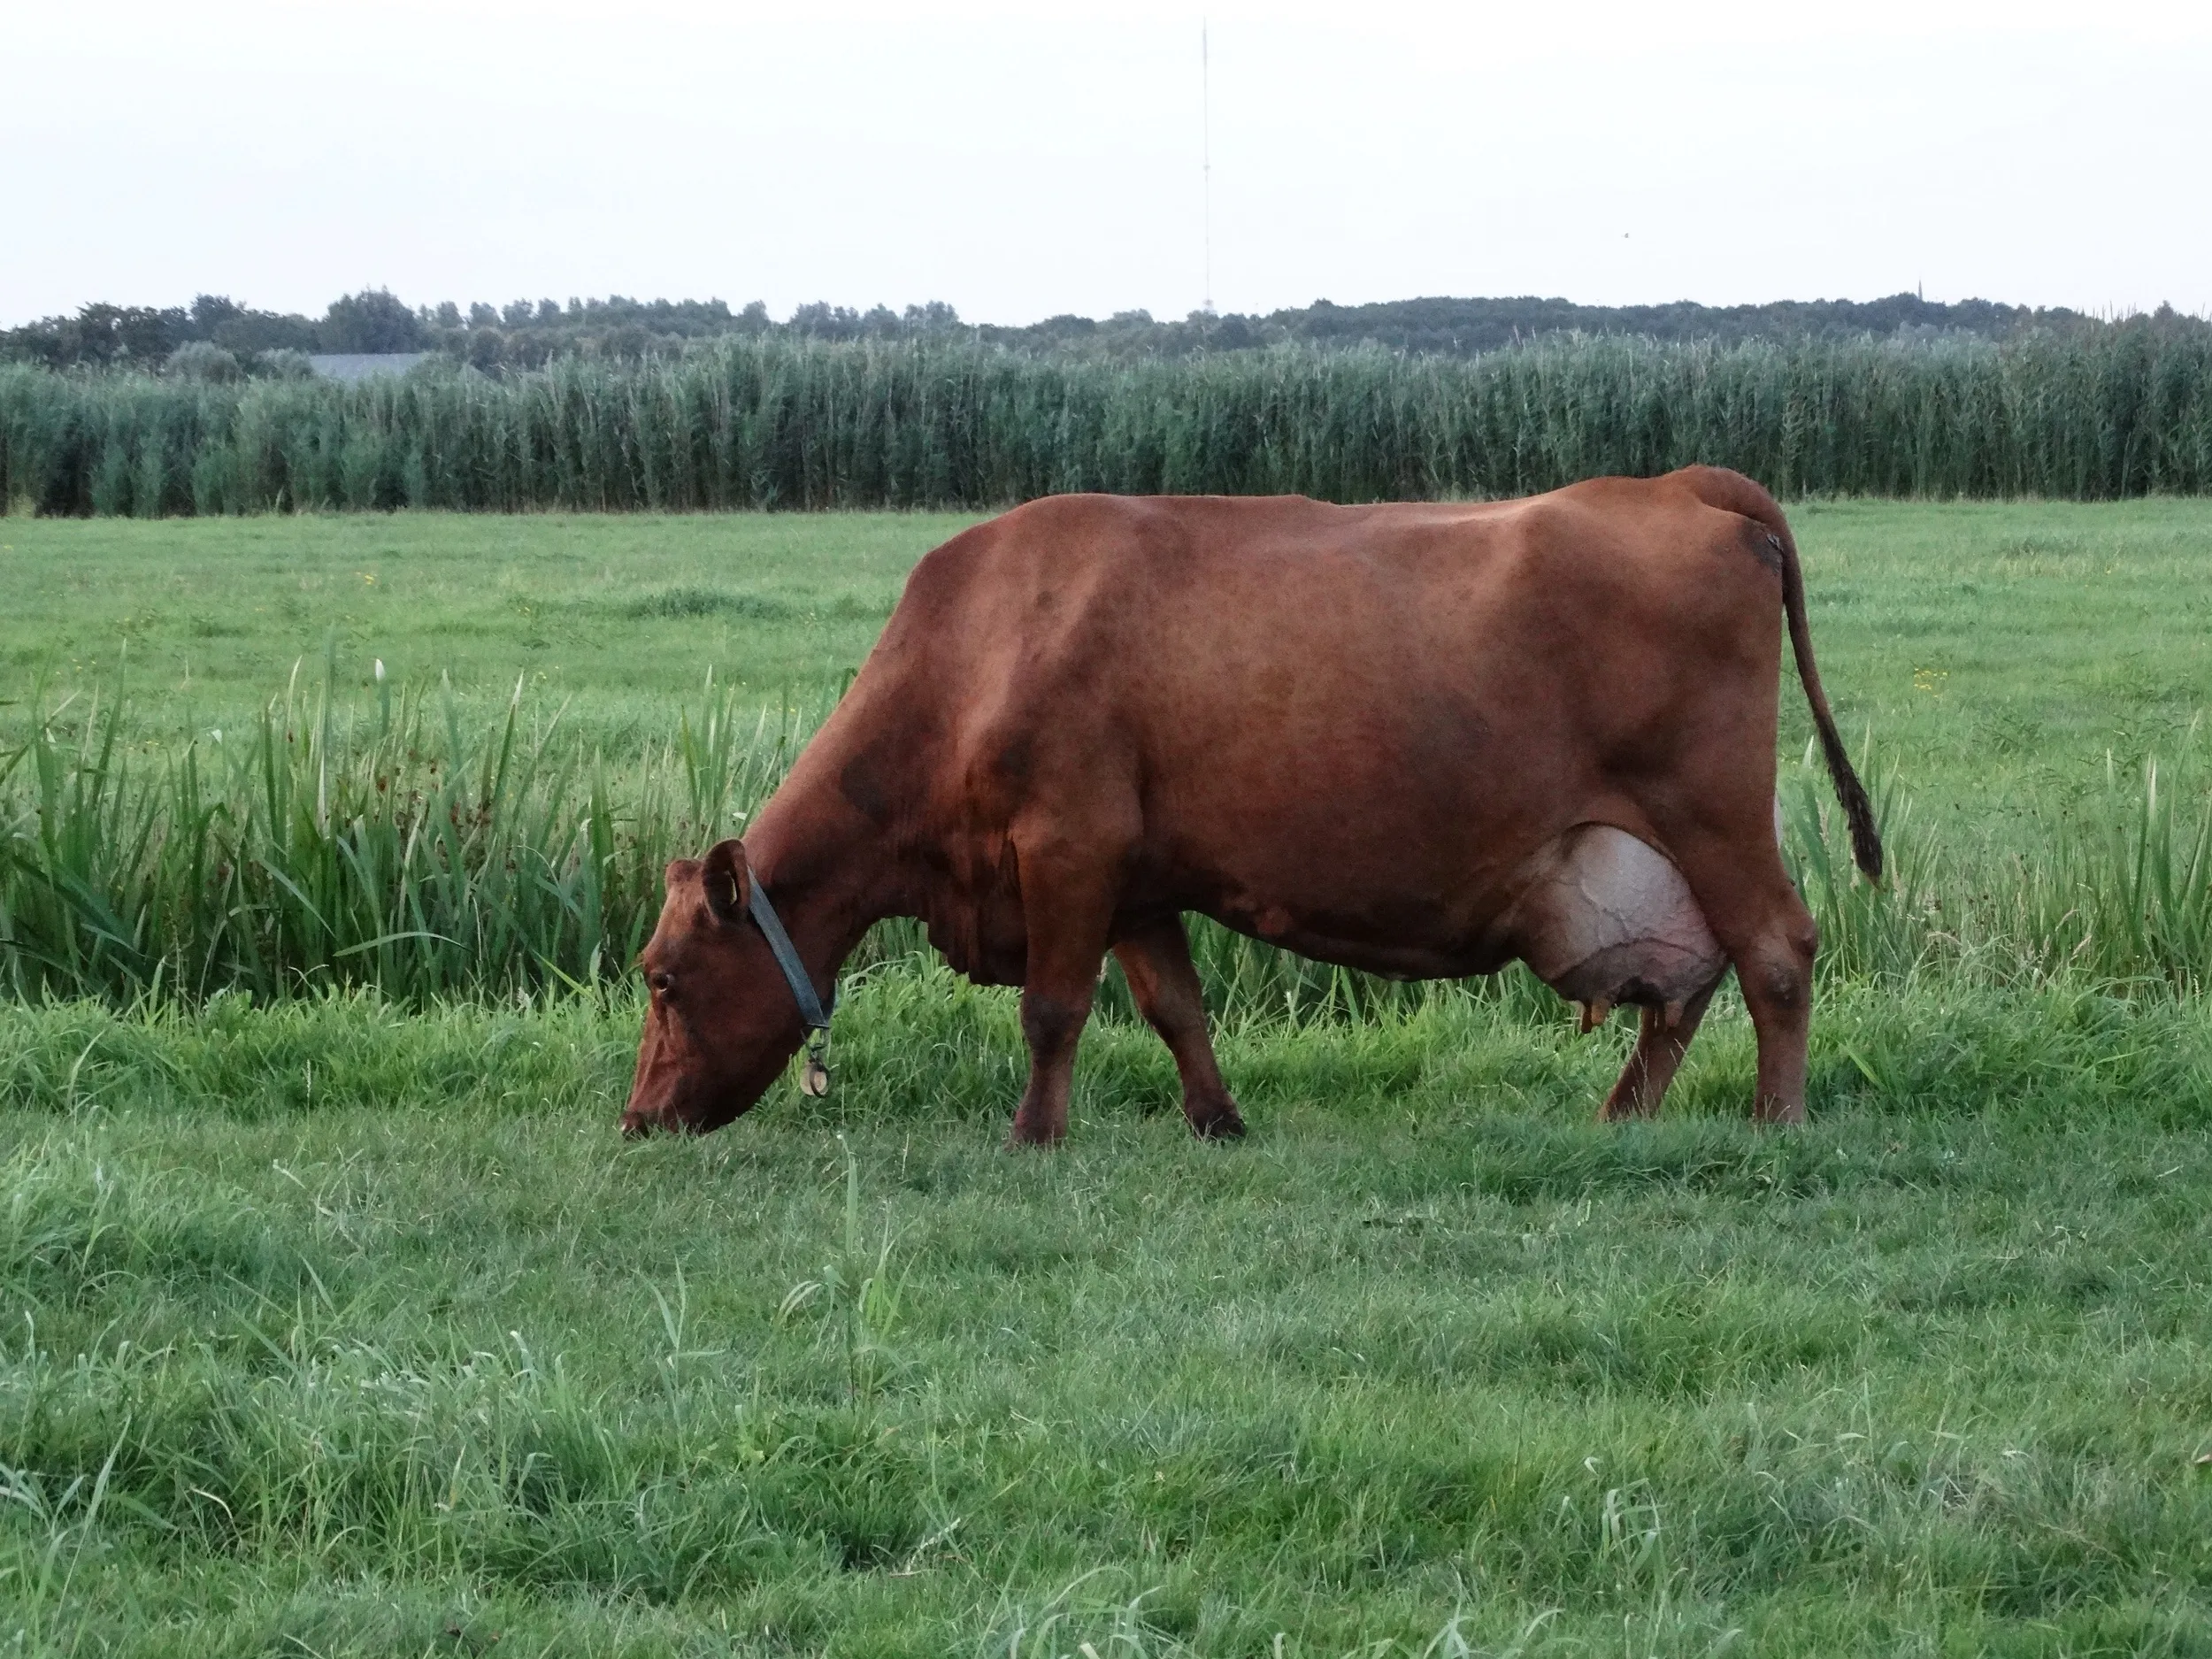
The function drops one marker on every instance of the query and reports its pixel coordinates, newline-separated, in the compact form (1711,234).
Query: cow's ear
(728,881)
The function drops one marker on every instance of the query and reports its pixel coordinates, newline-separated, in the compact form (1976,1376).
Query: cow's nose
(637,1123)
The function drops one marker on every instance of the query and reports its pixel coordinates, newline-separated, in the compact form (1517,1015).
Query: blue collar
(794,973)
(816,1079)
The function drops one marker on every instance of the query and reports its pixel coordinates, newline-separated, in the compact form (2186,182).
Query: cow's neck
(825,870)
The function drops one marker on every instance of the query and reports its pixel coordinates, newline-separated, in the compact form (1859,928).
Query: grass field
(1997,652)
(201,621)
(331,1327)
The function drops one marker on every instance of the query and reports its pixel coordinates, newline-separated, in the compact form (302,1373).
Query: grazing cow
(1422,739)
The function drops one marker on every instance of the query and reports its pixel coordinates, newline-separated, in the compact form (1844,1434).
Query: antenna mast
(1206,155)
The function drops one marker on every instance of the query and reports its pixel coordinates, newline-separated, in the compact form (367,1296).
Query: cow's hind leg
(1735,872)
(1774,967)
(1769,937)
(1067,906)
(1156,959)
(1658,1053)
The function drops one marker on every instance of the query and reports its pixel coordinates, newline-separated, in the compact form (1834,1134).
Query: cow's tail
(1734,493)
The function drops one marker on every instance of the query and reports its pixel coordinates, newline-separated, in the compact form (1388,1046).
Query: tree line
(217,338)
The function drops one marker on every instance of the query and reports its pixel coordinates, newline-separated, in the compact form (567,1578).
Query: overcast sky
(1023,161)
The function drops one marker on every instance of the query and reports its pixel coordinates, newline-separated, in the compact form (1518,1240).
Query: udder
(1603,918)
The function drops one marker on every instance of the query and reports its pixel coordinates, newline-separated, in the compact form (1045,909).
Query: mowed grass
(1996,651)
(619,617)
(335,1328)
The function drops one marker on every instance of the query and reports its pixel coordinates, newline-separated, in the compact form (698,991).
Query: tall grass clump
(773,422)
(395,848)
(2123,891)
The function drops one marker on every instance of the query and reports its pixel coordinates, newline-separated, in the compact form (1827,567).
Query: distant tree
(140,332)
(936,317)
(548,310)
(210,311)
(251,331)
(283,364)
(100,335)
(37,342)
(372,320)
(482,316)
(516,313)
(626,343)
(204,361)
(448,315)
(824,321)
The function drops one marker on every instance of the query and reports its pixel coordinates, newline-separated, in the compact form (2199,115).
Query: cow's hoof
(1223,1126)
(1028,1138)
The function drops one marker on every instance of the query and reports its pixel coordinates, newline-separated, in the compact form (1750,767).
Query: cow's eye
(665,983)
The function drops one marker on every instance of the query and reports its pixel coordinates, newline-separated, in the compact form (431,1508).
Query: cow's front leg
(1067,910)
(1052,1020)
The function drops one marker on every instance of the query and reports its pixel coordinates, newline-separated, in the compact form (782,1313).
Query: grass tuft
(678,602)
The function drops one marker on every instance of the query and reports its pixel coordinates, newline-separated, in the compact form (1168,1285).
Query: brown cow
(1424,740)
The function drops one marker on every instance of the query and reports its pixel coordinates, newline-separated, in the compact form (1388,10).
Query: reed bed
(389,845)
(795,424)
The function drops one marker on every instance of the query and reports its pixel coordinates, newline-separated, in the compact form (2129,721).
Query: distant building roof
(358,365)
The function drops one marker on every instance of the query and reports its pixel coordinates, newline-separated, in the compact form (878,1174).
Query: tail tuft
(1858,811)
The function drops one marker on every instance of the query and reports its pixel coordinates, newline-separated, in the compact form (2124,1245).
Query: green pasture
(199,622)
(1997,652)
(333,1325)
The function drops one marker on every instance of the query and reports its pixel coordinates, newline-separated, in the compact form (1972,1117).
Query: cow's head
(723,1022)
